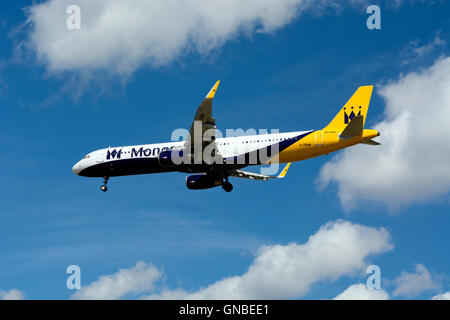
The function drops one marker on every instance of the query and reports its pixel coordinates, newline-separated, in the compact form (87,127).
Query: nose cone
(77,168)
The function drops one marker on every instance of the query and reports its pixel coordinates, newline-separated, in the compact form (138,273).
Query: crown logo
(349,117)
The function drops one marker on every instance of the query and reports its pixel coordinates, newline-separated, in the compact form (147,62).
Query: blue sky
(294,77)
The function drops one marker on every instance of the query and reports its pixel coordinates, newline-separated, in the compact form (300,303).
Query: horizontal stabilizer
(354,128)
(371,143)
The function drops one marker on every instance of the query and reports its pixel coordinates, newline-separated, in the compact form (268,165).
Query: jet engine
(202,181)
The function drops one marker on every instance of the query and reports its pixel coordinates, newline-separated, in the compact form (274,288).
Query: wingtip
(283,173)
(212,92)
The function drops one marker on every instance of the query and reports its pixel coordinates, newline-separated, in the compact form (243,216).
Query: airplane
(231,154)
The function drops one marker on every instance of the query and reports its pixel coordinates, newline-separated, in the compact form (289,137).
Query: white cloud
(442,296)
(414,52)
(412,164)
(411,284)
(120,36)
(361,292)
(425,49)
(135,280)
(287,271)
(338,249)
(12,294)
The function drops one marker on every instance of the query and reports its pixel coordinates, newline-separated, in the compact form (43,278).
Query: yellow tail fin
(357,105)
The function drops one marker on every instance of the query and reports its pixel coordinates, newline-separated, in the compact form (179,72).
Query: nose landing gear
(104,188)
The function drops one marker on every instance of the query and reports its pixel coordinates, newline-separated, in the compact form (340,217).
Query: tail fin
(358,105)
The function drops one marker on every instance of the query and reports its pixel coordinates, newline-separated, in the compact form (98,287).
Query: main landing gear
(104,188)
(227,186)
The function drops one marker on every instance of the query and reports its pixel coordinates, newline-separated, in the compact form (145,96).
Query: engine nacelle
(170,158)
(202,181)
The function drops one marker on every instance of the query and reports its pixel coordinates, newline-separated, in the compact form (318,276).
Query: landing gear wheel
(104,188)
(228,187)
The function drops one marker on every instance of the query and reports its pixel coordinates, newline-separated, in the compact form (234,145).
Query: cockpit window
(86,156)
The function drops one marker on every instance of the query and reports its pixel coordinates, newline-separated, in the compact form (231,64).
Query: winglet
(212,92)
(283,173)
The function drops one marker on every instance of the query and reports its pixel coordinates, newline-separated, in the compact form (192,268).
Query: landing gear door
(319,138)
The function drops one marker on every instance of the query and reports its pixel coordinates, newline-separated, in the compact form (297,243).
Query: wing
(256,176)
(203,122)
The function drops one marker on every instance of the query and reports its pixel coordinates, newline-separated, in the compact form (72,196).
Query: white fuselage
(129,156)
